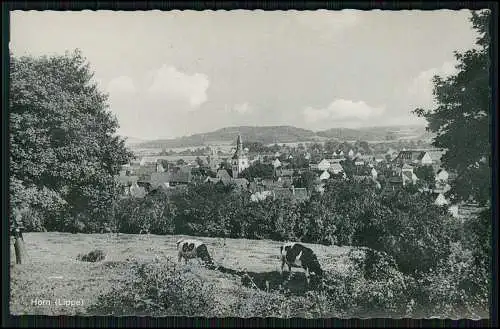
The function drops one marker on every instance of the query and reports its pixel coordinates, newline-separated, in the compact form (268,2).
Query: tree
(331,146)
(199,161)
(461,119)
(307,179)
(256,147)
(64,148)
(426,175)
(258,170)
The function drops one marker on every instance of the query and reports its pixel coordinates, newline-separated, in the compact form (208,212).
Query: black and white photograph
(251,164)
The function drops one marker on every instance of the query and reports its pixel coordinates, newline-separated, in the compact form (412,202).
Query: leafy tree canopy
(462,118)
(64,150)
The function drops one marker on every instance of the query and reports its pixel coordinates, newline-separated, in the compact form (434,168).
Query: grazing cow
(190,248)
(297,255)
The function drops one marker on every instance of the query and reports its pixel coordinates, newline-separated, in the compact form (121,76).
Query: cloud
(342,109)
(120,85)
(169,83)
(242,108)
(324,20)
(422,86)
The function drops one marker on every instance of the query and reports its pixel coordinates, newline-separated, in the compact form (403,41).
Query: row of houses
(150,175)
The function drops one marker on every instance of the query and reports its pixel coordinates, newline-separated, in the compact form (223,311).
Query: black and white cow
(191,248)
(297,255)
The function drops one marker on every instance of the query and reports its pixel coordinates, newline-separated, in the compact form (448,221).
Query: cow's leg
(282,265)
(180,258)
(307,275)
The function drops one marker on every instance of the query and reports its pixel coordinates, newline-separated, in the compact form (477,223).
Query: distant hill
(377,133)
(288,134)
(264,134)
(133,140)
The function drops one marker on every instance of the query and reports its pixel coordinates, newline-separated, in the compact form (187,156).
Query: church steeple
(239,161)
(239,144)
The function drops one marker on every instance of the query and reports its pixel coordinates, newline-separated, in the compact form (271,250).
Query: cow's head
(315,268)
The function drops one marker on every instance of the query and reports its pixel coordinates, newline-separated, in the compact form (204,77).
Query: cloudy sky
(176,73)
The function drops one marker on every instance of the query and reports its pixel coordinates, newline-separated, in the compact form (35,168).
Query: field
(53,272)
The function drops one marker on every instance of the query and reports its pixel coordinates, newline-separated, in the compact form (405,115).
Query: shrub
(33,221)
(160,289)
(456,287)
(93,256)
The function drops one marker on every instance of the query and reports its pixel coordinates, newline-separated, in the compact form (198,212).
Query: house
(336,160)
(350,154)
(170,178)
(126,182)
(276,163)
(241,183)
(160,179)
(313,166)
(300,194)
(285,180)
(441,200)
(307,156)
(442,176)
(223,175)
(336,168)
(270,184)
(259,196)
(324,165)
(285,164)
(436,155)
(147,160)
(426,159)
(407,174)
(410,156)
(394,182)
(358,162)
(368,159)
(281,172)
(421,157)
(324,175)
(135,163)
(392,153)
(374,173)
(212,180)
(137,191)
(442,188)
(362,178)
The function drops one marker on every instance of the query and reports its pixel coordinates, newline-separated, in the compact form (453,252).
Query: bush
(33,221)
(456,287)
(93,256)
(160,290)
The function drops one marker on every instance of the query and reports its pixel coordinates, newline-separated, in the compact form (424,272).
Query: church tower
(239,162)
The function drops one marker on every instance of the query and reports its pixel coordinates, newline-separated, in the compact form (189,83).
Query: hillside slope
(288,134)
